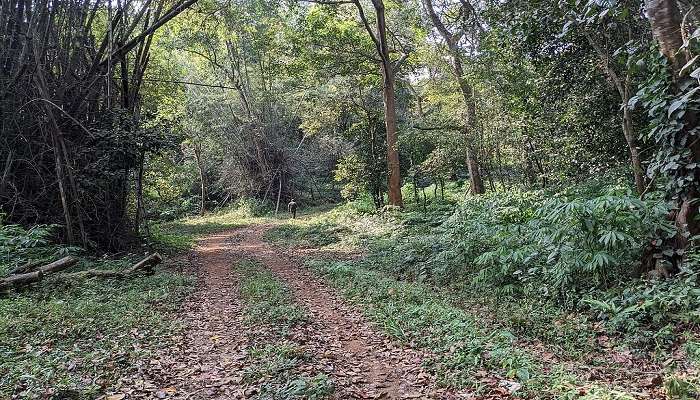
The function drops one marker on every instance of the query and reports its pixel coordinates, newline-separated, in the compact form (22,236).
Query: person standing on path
(293,208)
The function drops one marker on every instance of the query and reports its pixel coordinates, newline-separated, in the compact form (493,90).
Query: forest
(349,199)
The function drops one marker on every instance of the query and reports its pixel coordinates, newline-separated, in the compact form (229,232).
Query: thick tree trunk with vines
(666,21)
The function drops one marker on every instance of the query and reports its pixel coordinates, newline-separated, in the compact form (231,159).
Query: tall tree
(618,34)
(467,25)
(676,126)
(388,68)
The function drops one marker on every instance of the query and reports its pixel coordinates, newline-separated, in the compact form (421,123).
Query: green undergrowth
(517,278)
(468,351)
(538,259)
(317,234)
(71,340)
(275,359)
(415,314)
(346,226)
(181,235)
(268,300)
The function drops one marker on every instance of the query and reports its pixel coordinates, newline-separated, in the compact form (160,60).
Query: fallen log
(35,276)
(22,269)
(146,265)
(19,280)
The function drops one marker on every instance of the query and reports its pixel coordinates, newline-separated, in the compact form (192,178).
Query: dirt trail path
(208,361)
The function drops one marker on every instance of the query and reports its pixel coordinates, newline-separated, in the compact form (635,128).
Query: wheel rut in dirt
(208,361)
(363,362)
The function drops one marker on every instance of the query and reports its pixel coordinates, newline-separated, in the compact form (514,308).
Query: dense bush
(571,245)
(579,249)
(19,246)
(517,242)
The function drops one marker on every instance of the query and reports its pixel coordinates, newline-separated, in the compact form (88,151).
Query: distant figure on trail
(293,208)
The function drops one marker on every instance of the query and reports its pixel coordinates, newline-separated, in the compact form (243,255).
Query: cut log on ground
(35,276)
(23,269)
(146,265)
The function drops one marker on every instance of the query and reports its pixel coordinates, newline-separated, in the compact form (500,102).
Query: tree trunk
(476,183)
(35,276)
(139,195)
(392,155)
(6,172)
(623,89)
(471,126)
(202,178)
(635,161)
(499,168)
(279,195)
(387,66)
(666,19)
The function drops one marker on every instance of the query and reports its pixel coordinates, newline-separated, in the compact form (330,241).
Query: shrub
(19,246)
(571,246)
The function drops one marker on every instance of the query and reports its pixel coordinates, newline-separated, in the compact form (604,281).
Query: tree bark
(666,20)
(140,212)
(35,276)
(392,156)
(388,78)
(632,144)
(476,183)
(279,195)
(20,280)
(202,178)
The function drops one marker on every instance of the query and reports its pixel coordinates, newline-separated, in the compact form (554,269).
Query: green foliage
(19,246)
(651,311)
(574,244)
(182,234)
(682,387)
(318,234)
(515,242)
(415,314)
(577,250)
(351,171)
(252,207)
(73,339)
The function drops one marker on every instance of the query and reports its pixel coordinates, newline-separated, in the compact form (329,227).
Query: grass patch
(72,340)
(309,388)
(414,314)
(181,235)
(268,301)
(317,234)
(274,363)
